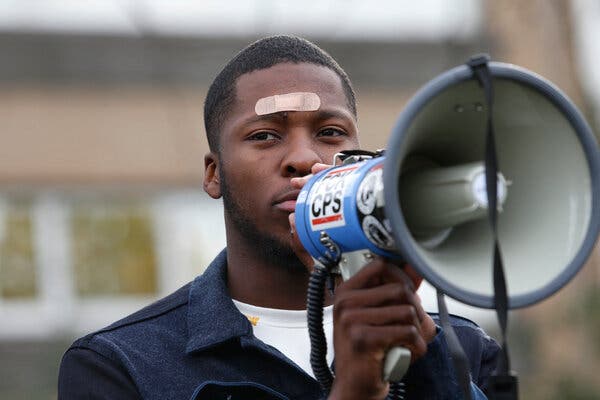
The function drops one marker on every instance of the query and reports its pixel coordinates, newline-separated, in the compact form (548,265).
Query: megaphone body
(345,202)
(423,201)
(344,207)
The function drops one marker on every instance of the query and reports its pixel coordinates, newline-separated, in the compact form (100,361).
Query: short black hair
(263,54)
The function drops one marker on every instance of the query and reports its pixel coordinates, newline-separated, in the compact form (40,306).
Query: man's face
(259,154)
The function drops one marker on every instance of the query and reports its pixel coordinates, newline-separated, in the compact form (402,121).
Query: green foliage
(590,307)
(573,388)
(17,261)
(113,251)
(557,350)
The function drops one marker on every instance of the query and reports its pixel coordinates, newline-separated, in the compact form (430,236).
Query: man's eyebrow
(329,113)
(274,117)
(282,115)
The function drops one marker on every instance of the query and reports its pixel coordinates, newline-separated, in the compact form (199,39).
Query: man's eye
(263,135)
(329,132)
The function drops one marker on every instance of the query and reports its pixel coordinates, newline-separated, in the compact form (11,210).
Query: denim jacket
(195,344)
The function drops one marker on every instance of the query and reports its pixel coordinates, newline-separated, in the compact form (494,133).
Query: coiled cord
(397,391)
(318,343)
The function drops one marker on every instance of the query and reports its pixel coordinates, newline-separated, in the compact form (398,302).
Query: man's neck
(260,282)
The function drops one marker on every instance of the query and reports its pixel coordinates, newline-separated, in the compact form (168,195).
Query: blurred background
(102,145)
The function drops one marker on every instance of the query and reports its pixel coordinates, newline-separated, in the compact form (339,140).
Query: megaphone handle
(396,363)
(397,360)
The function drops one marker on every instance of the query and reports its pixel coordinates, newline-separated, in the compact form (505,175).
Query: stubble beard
(266,246)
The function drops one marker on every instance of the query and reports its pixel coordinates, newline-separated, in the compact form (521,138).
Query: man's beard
(268,247)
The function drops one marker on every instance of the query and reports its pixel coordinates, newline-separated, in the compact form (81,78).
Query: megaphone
(424,201)
(550,214)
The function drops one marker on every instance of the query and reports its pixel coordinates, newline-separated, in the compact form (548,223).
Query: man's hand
(373,311)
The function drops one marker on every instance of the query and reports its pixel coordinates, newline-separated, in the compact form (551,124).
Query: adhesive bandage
(298,101)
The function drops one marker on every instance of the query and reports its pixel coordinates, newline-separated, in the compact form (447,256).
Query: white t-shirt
(287,331)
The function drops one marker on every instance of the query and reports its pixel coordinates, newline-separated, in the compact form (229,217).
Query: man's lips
(287,201)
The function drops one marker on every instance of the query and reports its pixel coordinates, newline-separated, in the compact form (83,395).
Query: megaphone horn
(549,188)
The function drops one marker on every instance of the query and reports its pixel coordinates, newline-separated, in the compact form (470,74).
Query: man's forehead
(285,78)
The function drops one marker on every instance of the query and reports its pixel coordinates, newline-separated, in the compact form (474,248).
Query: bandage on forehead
(298,101)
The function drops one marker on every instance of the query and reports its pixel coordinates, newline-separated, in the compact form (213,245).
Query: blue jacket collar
(209,296)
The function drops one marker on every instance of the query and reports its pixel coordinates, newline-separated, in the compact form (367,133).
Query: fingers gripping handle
(396,363)
(397,360)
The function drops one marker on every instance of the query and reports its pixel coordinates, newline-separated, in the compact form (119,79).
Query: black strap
(459,358)
(479,65)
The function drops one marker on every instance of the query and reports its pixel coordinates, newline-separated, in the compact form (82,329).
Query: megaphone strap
(459,358)
(479,66)
(502,376)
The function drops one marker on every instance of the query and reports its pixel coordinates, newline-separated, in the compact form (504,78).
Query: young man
(239,329)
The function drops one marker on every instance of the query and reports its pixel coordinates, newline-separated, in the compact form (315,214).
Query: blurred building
(102,159)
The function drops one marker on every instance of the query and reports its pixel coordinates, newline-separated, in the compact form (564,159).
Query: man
(239,330)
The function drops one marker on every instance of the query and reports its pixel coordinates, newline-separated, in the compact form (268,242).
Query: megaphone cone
(550,211)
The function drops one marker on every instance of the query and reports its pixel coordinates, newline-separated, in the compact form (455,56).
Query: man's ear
(212,181)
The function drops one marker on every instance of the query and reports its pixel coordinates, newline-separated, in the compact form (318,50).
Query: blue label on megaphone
(346,202)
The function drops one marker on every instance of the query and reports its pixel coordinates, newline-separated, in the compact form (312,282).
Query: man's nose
(301,155)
